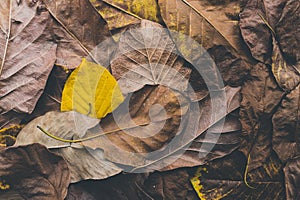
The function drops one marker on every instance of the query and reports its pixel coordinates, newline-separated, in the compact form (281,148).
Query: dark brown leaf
(286,126)
(211,26)
(35,172)
(223,179)
(260,98)
(292,178)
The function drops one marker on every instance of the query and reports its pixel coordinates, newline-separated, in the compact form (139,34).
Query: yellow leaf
(91,90)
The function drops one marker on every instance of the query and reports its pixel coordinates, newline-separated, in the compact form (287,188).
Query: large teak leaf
(27,54)
(83,163)
(146,55)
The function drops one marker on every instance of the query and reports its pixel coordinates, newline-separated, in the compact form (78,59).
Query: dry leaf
(83,163)
(208,26)
(292,181)
(79,32)
(286,126)
(223,179)
(27,55)
(120,14)
(146,55)
(260,98)
(126,142)
(35,172)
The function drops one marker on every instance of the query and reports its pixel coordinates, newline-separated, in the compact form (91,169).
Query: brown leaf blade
(80,31)
(27,55)
(35,172)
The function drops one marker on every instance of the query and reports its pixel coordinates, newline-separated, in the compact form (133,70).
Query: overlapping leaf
(27,54)
(127,142)
(286,126)
(79,32)
(83,163)
(120,14)
(211,26)
(146,55)
(260,98)
(35,172)
(223,179)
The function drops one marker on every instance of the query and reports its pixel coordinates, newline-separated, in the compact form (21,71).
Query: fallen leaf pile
(149,99)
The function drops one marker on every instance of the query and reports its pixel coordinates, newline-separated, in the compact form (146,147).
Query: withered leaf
(158,143)
(223,179)
(83,163)
(209,27)
(226,142)
(256,33)
(35,172)
(27,55)
(146,55)
(260,97)
(292,178)
(287,75)
(80,31)
(287,31)
(286,126)
(120,14)
(146,121)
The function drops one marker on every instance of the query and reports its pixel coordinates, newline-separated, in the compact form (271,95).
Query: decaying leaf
(292,178)
(287,75)
(35,172)
(287,31)
(150,141)
(211,27)
(286,126)
(228,141)
(146,55)
(260,97)
(91,90)
(82,162)
(223,179)
(27,55)
(79,31)
(270,28)
(146,121)
(120,14)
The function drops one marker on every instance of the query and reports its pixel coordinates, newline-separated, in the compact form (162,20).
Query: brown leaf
(126,142)
(79,31)
(256,33)
(27,54)
(292,179)
(260,98)
(287,30)
(83,163)
(286,126)
(211,26)
(147,55)
(153,119)
(287,75)
(120,14)
(35,172)
(223,179)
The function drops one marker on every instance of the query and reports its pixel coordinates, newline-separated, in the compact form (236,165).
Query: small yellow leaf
(91,90)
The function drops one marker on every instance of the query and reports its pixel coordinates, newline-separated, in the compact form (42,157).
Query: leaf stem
(7,37)
(87,138)
(245,174)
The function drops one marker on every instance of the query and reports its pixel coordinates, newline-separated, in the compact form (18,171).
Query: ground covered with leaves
(122,99)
